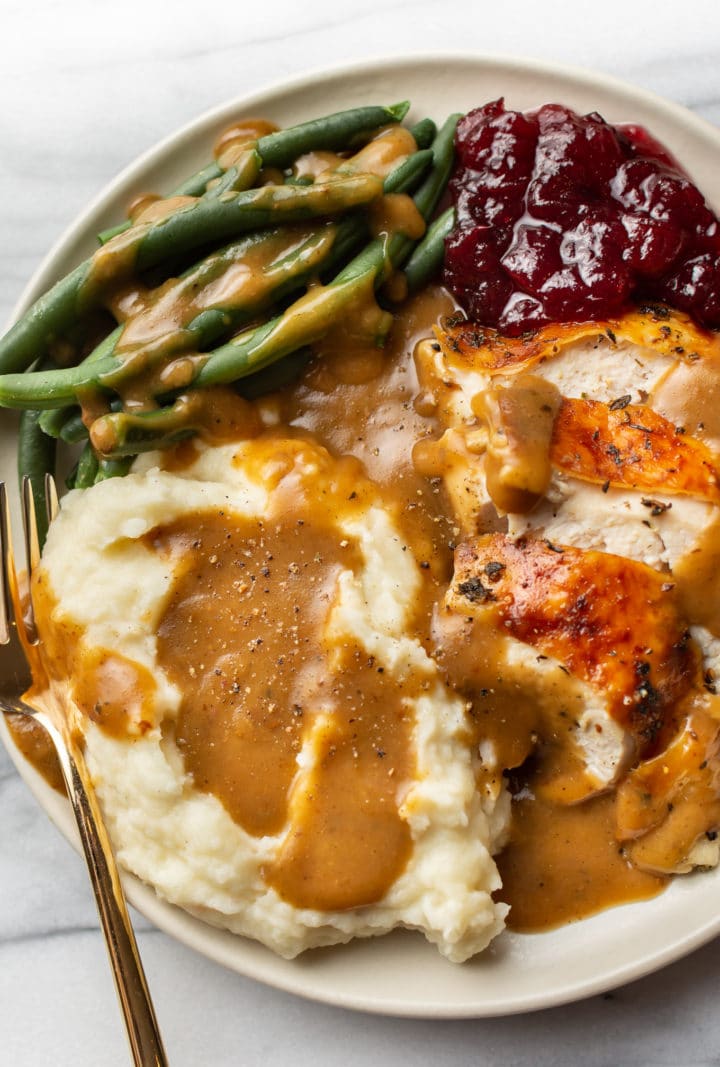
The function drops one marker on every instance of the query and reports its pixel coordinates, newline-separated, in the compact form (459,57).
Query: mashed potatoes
(108,578)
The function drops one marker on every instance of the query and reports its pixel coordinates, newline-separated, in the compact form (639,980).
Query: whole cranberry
(630,184)
(604,150)
(490,203)
(695,287)
(556,196)
(652,246)
(642,143)
(594,248)
(560,294)
(521,313)
(491,138)
(473,271)
(532,256)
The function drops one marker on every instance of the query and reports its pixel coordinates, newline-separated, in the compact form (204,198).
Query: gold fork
(142,1028)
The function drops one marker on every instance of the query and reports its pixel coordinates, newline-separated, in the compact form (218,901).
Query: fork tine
(32,542)
(32,552)
(51,497)
(6,608)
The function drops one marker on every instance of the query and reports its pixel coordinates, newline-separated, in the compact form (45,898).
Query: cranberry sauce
(563,217)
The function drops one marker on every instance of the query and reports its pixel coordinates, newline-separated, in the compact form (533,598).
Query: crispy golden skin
(655,328)
(611,621)
(631,446)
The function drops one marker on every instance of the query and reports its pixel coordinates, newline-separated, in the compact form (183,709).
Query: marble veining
(70,75)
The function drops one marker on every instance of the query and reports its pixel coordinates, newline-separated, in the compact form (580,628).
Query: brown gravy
(563,863)
(246,651)
(242,635)
(36,746)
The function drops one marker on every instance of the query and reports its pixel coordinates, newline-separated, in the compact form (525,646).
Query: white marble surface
(85,86)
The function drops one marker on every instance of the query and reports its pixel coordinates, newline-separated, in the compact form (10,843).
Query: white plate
(401,974)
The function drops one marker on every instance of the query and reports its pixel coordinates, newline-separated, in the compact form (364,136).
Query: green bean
(53,420)
(428,195)
(272,282)
(112,231)
(35,459)
(291,271)
(354,230)
(276,376)
(87,468)
(279,277)
(280,149)
(195,185)
(251,359)
(326,134)
(48,389)
(284,271)
(286,274)
(201,223)
(304,322)
(29,336)
(424,132)
(73,430)
(126,434)
(240,176)
(71,477)
(207,221)
(427,257)
(295,269)
(113,468)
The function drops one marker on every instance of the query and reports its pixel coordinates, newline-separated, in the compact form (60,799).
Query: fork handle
(132,989)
